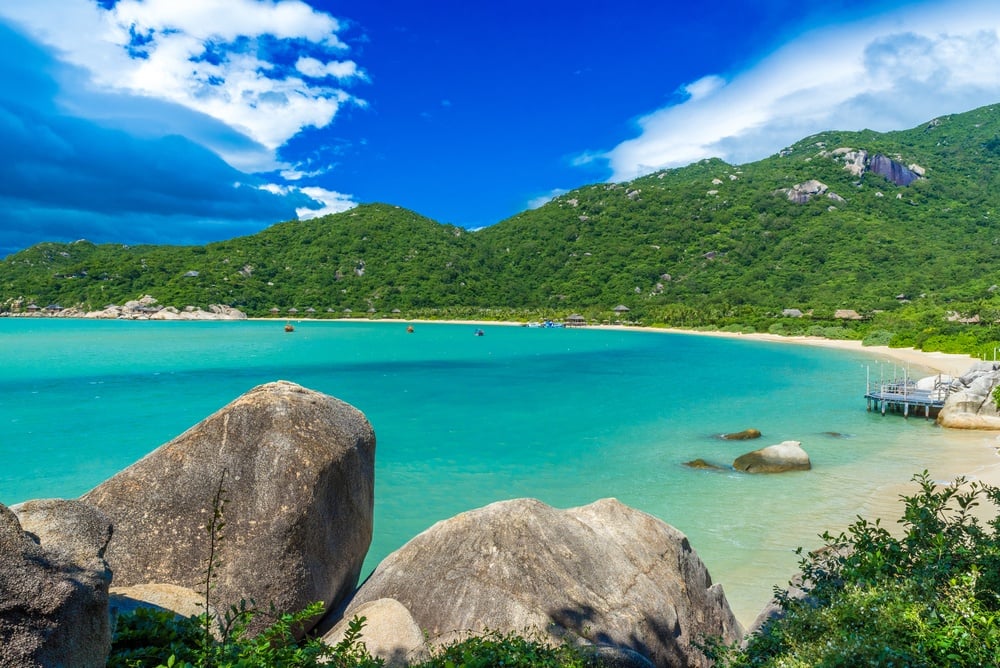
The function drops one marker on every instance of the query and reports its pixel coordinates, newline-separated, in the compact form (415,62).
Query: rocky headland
(291,473)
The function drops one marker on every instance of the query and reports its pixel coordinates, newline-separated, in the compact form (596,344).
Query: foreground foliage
(158,638)
(928,597)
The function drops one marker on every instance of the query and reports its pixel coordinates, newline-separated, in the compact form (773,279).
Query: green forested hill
(710,243)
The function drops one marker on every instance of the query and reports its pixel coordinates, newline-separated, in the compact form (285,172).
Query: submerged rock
(702,464)
(745,435)
(297,470)
(604,572)
(785,456)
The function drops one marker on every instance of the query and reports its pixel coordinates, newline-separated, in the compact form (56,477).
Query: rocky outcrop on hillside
(54,585)
(970,403)
(603,572)
(860,162)
(297,470)
(145,308)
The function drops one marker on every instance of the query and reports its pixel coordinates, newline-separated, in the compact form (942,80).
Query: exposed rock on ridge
(859,162)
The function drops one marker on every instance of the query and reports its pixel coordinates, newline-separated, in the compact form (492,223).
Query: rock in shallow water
(785,456)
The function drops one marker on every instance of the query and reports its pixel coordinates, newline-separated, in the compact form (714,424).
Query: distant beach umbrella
(621,308)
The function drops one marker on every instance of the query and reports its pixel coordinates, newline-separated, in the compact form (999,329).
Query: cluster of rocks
(296,474)
(970,403)
(778,458)
(145,308)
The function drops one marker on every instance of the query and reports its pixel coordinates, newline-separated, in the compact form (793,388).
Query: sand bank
(945,363)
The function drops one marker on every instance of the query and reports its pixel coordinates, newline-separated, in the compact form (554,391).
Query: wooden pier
(906,397)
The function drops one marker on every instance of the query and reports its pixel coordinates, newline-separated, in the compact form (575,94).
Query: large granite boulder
(54,585)
(785,456)
(181,601)
(970,403)
(297,468)
(390,633)
(604,572)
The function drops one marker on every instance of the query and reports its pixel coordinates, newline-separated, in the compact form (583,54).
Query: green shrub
(928,597)
(877,338)
(510,650)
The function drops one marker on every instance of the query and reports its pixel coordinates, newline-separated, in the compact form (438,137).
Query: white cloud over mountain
(887,72)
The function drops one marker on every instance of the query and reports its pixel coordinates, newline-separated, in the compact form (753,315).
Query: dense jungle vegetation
(707,245)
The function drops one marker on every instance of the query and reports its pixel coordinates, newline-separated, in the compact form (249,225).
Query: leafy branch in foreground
(927,597)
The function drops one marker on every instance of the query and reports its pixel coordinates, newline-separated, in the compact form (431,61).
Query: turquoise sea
(564,415)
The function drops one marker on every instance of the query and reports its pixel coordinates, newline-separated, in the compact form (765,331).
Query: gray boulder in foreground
(785,456)
(603,572)
(54,585)
(297,467)
(390,632)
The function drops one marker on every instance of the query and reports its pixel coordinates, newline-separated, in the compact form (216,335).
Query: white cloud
(211,56)
(542,200)
(332,201)
(890,72)
(317,69)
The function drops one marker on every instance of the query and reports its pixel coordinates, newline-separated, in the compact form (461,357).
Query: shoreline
(949,364)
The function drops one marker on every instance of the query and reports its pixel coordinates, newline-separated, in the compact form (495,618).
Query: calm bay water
(565,416)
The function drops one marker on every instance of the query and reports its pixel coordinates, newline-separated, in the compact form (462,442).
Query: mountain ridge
(858,220)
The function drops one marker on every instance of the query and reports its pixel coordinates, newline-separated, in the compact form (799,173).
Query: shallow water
(566,416)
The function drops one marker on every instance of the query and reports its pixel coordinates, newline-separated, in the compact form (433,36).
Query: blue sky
(188,121)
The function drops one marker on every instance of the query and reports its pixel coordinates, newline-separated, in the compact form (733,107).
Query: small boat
(289,327)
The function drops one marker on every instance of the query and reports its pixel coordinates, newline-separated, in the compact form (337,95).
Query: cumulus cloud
(317,69)
(223,58)
(329,200)
(887,72)
(65,177)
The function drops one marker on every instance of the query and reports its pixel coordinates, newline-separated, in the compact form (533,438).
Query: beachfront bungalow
(293,310)
(575,320)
